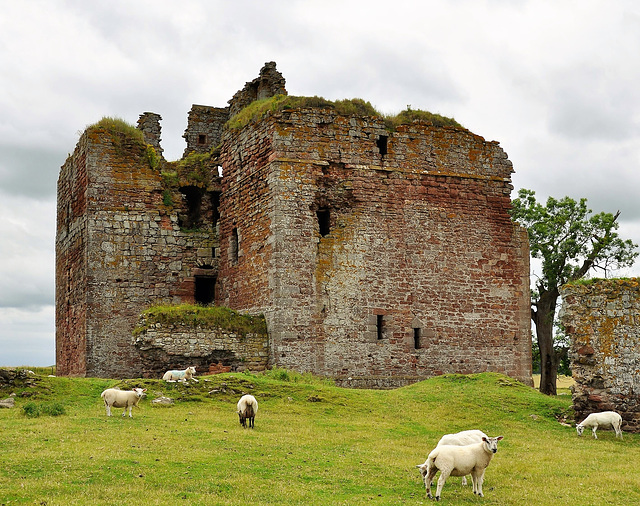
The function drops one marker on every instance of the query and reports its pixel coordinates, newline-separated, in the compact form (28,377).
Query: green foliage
(194,169)
(167,199)
(410,115)
(118,126)
(152,157)
(34,410)
(193,315)
(313,443)
(355,106)
(570,240)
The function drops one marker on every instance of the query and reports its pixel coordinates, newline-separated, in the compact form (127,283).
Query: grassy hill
(313,443)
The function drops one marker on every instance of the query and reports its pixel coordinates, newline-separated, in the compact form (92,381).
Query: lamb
(605,419)
(462,438)
(122,399)
(247,409)
(186,374)
(453,460)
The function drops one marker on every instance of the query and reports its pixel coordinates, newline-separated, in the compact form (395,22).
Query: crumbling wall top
(269,83)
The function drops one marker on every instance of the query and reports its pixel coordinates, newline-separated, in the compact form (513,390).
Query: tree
(570,241)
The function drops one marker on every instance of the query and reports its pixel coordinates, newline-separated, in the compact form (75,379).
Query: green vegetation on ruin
(201,316)
(118,126)
(594,281)
(356,106)
(313,444)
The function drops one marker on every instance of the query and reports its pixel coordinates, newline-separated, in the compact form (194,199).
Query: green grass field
(313,443)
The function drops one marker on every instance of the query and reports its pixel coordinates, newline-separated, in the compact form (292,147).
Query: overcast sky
(556,82)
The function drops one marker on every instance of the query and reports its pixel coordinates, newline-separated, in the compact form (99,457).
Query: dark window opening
(379,322)
(416,338)
(193,198)
(382,144)
(202,139)
(324,221)
(205,289)
(234,245)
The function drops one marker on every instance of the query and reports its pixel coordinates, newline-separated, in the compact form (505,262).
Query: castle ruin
(377,256)
(602,318)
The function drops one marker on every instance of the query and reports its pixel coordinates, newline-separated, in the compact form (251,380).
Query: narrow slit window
(234,246)
(324,221)
(382,144)
(416,338)
(379,325)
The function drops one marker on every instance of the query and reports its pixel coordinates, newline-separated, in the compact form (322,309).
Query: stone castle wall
(119,249)
(176,346)
(420,271)
(377,257)
(602,318)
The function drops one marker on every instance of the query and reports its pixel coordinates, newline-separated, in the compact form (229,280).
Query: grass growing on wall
(210,317)
(313,444)
(118,126)
(356,106)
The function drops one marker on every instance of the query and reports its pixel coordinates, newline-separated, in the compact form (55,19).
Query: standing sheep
(605,419)
(122,399)
(459,461)
(247,409)
(462,438)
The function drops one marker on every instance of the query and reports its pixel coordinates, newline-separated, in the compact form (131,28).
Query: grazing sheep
(462,438)
(247,409)
(122,399)
(605,419)
(184,375)
(459,461)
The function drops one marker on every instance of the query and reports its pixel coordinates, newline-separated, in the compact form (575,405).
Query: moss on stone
(200,316)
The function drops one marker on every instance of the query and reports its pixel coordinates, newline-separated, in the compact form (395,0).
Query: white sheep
(605,419)
(185,375)
(122,399)
(247,409)
(459,461)
(462,438)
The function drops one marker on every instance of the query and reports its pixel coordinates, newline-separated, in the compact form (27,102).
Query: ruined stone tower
(378,257)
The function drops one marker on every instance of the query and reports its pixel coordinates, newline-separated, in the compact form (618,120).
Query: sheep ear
(499,438)
(484,438)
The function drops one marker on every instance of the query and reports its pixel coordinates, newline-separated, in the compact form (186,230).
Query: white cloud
(554,82)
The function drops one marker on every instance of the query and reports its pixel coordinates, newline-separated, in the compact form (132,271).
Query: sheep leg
(593,430)
(477,483)
(108,409)
(464,481)
(428,479)
(443,477)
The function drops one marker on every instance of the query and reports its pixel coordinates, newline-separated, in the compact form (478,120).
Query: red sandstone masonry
(602,319)
(377,257)
(426,238)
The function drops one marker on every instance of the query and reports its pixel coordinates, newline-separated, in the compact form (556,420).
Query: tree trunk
(543,318)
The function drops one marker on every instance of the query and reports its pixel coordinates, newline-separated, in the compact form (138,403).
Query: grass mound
(313,443)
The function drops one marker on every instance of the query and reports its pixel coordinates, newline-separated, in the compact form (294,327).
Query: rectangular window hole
(324,221)
(416,338)
(379,322)
(382,144)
